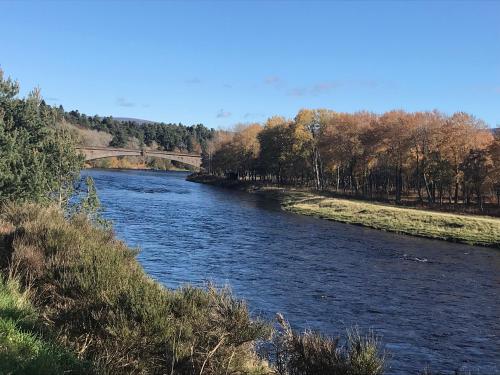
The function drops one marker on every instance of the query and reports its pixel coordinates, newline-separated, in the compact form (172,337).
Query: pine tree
(38,161)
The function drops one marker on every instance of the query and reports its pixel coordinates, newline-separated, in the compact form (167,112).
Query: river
(431,302)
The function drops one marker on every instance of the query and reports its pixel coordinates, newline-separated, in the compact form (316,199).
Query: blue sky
(220,63)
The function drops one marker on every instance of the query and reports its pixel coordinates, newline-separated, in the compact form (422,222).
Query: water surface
(434,303)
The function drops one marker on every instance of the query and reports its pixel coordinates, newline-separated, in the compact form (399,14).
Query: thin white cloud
(275,81)
(271,80)
(493,88)
(122,102)
(323,87)
(298,91)
(223,114)
(369,83)
(250,115)
(193,81)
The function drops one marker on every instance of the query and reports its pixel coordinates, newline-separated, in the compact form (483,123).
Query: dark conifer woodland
(165,136)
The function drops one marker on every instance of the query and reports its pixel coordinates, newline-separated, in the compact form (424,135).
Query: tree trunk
(419,182)
(316,168)
(428,191)
(338,179)
(399,181)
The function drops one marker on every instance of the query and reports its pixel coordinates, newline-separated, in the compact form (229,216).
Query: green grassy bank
(23,350)
(472,230)
(469,229)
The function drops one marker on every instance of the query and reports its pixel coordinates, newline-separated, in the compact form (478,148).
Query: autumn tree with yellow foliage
(421,157)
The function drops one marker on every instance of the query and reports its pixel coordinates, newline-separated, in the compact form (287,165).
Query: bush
(428,371)
(22,350)
(91,290)
(313,354)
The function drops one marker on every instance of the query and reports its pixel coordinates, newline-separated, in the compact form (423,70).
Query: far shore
(454,227)
(136,168)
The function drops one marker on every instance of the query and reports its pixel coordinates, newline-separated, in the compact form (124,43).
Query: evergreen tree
(119,140)
(38,161)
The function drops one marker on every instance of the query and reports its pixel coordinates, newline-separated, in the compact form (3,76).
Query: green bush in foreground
(312,353)
(22,350)
(94,295)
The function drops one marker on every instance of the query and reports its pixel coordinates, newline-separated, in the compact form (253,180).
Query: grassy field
(22,349)
(474,230)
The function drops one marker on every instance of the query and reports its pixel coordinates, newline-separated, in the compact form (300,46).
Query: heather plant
(312,353)
(23,350)
(428,371)
(91,291)
(89,205)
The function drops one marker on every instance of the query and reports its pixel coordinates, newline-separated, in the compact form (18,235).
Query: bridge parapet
(93,153)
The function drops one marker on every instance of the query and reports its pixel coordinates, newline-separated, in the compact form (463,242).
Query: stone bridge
(92,153)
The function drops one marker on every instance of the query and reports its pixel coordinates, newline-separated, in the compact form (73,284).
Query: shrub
(313,354)
(22,350)
(428,371)
(91,290)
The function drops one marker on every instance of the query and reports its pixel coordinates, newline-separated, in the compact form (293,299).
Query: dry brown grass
(88,137)
(311,353)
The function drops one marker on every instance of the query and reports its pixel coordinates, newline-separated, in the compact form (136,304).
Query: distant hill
(137,121)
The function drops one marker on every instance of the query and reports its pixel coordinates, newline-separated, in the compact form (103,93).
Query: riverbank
(135,163)
(468,229)
(22,348)
(137,168)
(92,298)
(100,313)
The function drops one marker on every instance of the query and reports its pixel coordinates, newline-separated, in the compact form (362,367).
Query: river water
(431,302)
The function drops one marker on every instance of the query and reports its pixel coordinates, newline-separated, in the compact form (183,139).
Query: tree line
(428,157)
(171,137)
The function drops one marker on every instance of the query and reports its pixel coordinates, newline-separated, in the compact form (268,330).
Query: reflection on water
(432,302)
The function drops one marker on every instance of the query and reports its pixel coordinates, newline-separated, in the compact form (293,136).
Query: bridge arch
(94,153)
